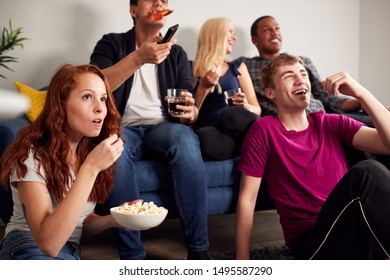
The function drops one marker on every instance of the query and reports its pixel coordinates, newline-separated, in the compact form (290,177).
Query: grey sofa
(153,181)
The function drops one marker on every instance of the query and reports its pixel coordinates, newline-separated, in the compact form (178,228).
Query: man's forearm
(118,73)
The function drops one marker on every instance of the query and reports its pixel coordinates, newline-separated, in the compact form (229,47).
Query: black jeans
(223,140)
(354,220)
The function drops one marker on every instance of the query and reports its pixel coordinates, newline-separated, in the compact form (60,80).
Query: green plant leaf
(10,39)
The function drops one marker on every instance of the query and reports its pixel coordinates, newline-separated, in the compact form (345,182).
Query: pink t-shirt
(300,167)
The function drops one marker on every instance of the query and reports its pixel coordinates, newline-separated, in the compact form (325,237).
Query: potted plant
(10,39)
(11,104)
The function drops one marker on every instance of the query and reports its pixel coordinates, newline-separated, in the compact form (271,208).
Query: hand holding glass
(175,98)
(229,94)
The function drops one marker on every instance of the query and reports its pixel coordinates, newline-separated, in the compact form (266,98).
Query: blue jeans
(178,146)
(20,245)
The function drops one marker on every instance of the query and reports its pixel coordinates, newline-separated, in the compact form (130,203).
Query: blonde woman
(221,128)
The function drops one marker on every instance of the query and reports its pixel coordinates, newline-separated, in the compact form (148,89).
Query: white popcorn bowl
(137,221)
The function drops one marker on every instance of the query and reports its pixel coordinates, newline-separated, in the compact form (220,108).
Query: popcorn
(140,208)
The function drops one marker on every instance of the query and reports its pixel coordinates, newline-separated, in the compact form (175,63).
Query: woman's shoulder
(35,170)
(234,67)
(235,64)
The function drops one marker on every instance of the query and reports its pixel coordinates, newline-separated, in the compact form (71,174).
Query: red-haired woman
(60,166)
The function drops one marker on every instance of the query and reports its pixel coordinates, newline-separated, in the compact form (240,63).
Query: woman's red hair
(50,143)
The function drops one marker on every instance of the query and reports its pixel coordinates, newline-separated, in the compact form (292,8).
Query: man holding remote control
(140,71)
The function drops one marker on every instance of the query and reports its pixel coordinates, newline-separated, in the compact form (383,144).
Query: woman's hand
(133,202)
(106,153)
(206,85)
(212,77)
(241,100)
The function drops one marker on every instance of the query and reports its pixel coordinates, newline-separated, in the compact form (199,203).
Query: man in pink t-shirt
(326,211)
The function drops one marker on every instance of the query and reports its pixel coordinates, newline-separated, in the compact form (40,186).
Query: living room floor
(166,241)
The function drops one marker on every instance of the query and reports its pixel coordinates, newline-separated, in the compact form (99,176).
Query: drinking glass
(229,94)
(175,98)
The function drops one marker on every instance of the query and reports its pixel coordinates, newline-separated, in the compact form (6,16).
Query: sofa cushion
(9,129)
(153,175)
(36,98)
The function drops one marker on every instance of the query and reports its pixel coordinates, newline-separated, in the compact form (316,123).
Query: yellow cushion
(36,98)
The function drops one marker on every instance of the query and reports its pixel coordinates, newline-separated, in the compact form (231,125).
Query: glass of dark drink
(229,94)
(175,98)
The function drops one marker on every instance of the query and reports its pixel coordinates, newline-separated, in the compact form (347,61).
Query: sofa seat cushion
(154,175)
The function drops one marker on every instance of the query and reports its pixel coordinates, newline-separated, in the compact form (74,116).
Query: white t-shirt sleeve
(32,174)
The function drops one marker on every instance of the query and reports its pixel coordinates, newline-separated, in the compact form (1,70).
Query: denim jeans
(20,245)
(178,146)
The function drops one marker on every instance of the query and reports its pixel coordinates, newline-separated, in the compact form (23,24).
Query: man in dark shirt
(267,37)
(140,71)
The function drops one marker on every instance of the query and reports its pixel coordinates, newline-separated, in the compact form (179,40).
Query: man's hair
(256,22)
(133,3)
(270,69)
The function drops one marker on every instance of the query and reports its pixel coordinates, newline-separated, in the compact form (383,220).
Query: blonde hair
(211,45)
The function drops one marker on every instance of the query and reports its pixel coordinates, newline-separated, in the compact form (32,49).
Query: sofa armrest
(9,129)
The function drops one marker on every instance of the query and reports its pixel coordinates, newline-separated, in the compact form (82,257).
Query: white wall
(66,31)
(375,47)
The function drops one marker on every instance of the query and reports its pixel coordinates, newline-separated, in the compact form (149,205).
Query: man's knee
(369,172)
(370,165)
